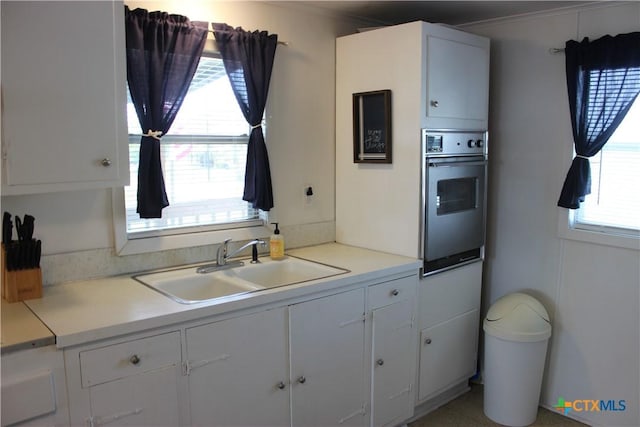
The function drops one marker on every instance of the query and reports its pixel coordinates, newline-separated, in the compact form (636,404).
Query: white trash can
(517,331)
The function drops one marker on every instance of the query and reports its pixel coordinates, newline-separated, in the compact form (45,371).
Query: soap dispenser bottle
(276,244)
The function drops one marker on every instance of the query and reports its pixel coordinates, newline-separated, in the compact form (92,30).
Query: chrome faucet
(222,256)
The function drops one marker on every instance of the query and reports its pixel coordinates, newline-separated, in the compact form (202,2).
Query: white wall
(590,290)
(77,226)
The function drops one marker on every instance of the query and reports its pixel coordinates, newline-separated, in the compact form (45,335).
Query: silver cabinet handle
(380,362)
(281,385)
(395,292)
(134,359)
(302,380)
(427,341)
(434,103)
(106,162)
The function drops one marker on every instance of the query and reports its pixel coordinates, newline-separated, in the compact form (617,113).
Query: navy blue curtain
(603,80)
(163,52)
(248,60)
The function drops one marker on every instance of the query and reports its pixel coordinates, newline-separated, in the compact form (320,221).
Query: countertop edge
(362,270)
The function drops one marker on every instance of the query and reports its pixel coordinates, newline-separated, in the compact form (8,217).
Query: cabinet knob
(134,359)
(302,380)
(380,362)
(434,103)
(106,162)
(427,341)
(281,385)
(395,292)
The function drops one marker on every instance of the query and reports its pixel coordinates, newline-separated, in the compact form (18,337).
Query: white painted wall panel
(590,290)
(377,205)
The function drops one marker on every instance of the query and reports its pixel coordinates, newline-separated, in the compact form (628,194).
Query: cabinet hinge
(97,421)
(358,319)
(361,411)
(406,390)
(187,366)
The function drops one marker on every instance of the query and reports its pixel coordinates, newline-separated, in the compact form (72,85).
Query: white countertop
(90,310)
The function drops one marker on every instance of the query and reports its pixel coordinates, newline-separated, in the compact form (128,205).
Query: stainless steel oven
(454,198)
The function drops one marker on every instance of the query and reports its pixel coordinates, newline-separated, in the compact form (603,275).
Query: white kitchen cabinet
(393,350)
(327,361)
(238,371)
(63,94)
(449,322)
(126,383)
(448,353)
(33,388)
(281,366)
(457,82)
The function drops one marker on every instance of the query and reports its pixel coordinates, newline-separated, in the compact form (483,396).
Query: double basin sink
(190,286)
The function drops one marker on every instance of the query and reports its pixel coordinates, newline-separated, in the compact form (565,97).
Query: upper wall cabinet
(457,89)
(63,96)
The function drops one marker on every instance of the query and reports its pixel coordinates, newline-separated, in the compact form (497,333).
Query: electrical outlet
(308,194)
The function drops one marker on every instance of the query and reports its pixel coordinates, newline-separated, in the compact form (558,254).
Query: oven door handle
(456,164)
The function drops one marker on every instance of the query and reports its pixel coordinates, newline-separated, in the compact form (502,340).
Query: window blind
(614,201)
(203,160)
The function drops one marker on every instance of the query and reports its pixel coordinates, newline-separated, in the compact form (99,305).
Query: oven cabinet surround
(449,327)
(33,388)
(63,124)
(277,365)
(439,79)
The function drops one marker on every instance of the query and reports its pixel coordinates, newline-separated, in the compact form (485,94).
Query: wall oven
(454,179)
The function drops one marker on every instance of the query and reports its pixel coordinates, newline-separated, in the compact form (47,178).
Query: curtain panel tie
(579,156)
(155,134)
(259,125)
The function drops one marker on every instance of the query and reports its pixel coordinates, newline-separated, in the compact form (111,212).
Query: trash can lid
(518,317)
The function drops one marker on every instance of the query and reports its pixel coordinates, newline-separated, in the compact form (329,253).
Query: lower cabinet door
(448,353)
(393,363)
(238,371)
(146,399)
(327,361)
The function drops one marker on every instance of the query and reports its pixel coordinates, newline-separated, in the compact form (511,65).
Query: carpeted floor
(466,411)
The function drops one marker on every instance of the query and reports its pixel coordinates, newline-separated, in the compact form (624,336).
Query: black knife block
(19,285)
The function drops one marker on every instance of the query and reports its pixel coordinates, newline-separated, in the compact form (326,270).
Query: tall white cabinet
(63,96)
(439,78)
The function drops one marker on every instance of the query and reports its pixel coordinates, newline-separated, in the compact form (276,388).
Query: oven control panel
(449,142)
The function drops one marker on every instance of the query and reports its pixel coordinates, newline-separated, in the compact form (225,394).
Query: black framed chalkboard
(372,127)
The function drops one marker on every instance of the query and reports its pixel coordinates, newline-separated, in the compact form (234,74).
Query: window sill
(126,246)
(566,230)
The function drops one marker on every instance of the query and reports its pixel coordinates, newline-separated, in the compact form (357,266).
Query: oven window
(456,195)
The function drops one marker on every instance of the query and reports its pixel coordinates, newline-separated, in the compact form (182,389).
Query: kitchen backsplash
(96,263)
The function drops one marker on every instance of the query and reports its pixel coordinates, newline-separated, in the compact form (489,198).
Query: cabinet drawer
(116,361)
(391,292)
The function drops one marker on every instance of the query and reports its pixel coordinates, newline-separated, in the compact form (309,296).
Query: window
(203,161)
(614,203)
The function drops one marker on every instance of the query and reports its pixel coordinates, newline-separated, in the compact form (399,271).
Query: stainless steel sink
(187,286)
